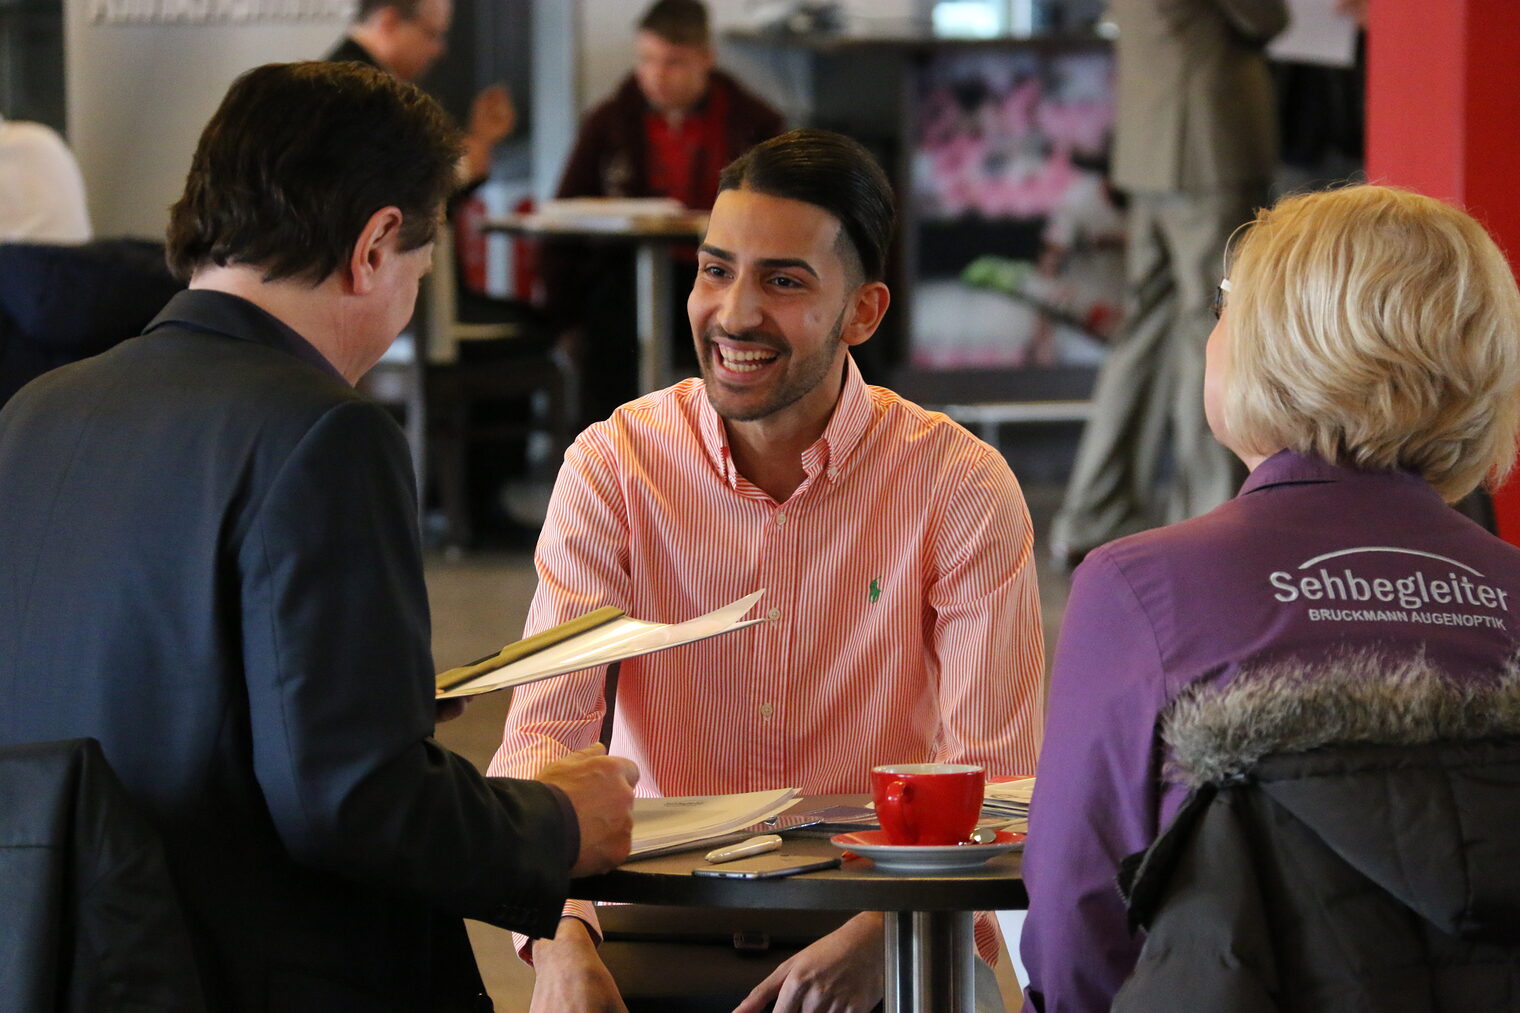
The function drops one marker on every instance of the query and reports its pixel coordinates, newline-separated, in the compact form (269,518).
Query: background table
(651,236)
(929,941)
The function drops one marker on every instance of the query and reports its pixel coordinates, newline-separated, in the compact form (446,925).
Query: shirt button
(773,614)
(781,518)
(766,709)
(833,473)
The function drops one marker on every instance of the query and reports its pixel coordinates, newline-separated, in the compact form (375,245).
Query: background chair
(61,302)
(483,388)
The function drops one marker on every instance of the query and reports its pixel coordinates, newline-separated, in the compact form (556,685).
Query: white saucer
(873,844)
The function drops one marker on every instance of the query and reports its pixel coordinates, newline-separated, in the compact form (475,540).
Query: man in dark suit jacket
(209,562)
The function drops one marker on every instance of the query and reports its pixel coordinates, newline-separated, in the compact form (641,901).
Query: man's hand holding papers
(600,788)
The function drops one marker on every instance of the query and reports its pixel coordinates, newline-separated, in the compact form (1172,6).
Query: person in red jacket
(665,131)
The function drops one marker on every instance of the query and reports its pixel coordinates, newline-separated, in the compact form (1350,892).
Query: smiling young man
(894,548)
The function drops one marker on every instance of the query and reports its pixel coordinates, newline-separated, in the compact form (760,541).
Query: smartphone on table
(767,866)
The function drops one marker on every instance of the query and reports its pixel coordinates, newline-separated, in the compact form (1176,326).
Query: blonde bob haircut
(1376,329)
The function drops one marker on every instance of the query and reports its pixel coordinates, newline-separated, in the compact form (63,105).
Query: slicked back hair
(678,22)
(829,171)
(297,159)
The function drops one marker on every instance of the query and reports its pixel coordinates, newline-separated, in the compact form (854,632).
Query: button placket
(777,571)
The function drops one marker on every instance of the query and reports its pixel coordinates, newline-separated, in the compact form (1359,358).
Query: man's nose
(740,309)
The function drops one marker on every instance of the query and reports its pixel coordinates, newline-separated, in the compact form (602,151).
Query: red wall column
(1443,118)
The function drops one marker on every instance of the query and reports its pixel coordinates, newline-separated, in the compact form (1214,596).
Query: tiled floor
(479,602)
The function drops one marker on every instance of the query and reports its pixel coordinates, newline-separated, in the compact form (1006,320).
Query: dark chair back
(60,303)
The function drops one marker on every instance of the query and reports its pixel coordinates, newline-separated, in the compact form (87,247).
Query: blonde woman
(1365,367)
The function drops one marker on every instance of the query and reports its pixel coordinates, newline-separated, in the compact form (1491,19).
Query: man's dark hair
(365,9)
(829,171)
(297,159)
(679,22)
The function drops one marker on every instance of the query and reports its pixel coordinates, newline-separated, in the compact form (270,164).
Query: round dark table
(929,941)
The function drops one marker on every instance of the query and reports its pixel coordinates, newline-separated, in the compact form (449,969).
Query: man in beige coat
(1195,146)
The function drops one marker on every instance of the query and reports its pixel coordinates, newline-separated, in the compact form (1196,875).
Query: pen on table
(744,849)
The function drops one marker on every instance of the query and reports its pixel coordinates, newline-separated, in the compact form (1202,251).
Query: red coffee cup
(928,803)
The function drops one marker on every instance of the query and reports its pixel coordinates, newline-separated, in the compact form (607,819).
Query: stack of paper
(1008,797)
(663,824)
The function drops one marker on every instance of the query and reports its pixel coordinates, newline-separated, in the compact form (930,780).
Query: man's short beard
(815,370)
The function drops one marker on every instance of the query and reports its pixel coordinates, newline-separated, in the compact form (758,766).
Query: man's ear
(379,239)
(871,301)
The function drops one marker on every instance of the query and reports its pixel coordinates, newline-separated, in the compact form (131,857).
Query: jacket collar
(1287,467)
(234,317)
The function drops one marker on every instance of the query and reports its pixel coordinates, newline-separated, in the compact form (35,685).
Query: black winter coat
(1374,878)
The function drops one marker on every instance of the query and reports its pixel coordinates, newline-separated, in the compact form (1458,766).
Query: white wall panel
(139,95)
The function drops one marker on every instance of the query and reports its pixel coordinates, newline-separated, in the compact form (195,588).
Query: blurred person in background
(41,189)
(666,131)
(405,38)
(1195,147)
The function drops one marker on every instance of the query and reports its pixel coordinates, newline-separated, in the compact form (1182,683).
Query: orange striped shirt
(899,583)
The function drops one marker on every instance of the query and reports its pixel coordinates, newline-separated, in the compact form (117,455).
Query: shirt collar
(829,453)
(235,317)
(1287,467)
(852,415)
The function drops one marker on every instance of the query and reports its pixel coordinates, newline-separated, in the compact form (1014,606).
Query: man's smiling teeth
(744,362)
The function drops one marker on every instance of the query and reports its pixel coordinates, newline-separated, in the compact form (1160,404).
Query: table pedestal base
(930,965)
(652,274)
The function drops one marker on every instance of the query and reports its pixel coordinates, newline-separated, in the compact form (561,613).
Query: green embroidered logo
(875,590)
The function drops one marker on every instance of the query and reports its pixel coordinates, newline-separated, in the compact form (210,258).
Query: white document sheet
(609,214)
(622,638)
(580,207)
(662,823)
(1008,797)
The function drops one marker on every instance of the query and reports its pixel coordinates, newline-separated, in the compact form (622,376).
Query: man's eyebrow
(768,262)
(788,262)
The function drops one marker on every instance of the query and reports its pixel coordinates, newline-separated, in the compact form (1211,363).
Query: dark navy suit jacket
(209,562)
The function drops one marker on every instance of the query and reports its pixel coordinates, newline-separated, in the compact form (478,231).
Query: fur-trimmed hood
(1215,735)
(1407,775)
